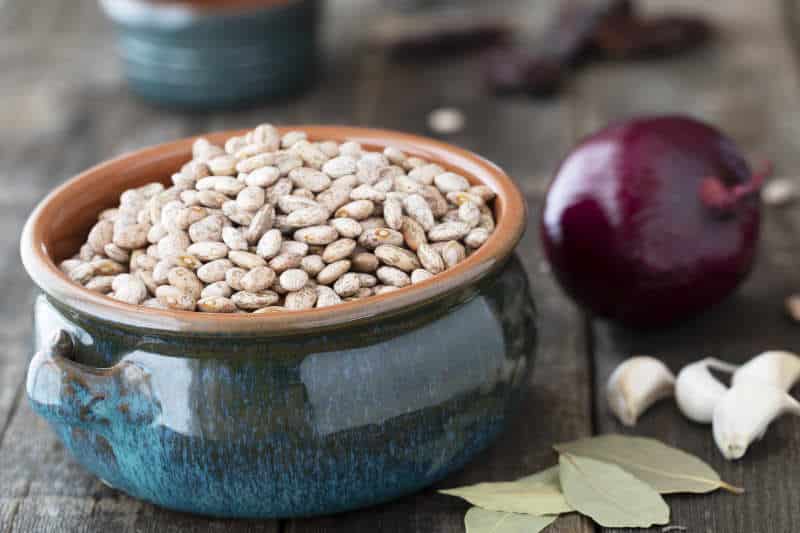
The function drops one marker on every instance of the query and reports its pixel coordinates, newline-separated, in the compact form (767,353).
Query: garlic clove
(697,391)
(635,385)
(744,413)
(777,368)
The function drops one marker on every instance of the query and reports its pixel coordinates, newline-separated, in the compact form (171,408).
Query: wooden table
(64,107)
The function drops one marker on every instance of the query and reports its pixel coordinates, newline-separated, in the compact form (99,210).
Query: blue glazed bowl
(280,414)
(180,55)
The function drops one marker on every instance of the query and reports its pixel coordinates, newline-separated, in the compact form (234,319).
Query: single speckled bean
(233,277)
(417,208)
(223,165)
(372,238)
(270,244)
(347,285)
(451,182)
(334,197)
(393,213)
(313,264)
(81,273)
(308,216)
(233,238)
(250,198)
(346,227)
(317,235)
(107,267)
(453,253)
(216,304)
(294,248)
(208,250)
(208,229)
(128,289)
(218,288)
(367,192)
(365,262)
(262,177)
(246,260)
(211,199)
(426,173)
(101,284)
(357,209)
(254,300)
(185,280)
(430,258)
(476,237)
(311,154)
(384,289)
(437,202)
(101,235)
(309,178)
(255,163)
(393,276)
(340,166)
(67,265)
(449,231)
(175,298)
(419,275)
(130,236)
(366,280)
(293,279)
(469,213)
(258,279)
(413,233)
(333,271)
(394,155)
(292,202)
(305,298)
(326,296)
(262,222)
(338,250)
(282,262)
(397,257)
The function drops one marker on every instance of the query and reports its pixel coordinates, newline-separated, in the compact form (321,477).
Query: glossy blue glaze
(187,57)
(287,426)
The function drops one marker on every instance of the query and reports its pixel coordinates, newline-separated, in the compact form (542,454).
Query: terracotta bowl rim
(510,211)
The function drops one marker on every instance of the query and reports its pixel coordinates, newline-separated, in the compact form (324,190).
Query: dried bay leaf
(480,520)
(609,495)
(537,494)
(547,477)
(664,468)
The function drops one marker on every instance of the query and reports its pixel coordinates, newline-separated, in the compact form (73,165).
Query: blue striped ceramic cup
(205,55)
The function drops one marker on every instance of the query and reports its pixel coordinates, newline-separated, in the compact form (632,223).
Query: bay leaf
(609,495)
(547,477)
(663,467)
(480,520)
(537,494)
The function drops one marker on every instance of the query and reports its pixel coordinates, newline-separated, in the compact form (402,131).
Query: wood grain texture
(68,107)
(747,85)
(525,139)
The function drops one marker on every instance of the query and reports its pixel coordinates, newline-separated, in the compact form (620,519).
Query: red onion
(652,219)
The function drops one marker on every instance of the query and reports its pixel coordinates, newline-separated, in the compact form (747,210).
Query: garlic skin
(697,391)
(744,413)
(635,385)
(777,368)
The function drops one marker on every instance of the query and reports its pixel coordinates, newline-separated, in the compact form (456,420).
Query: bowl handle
(66,392)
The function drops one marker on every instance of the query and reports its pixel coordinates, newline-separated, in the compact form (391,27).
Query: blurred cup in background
(210,54)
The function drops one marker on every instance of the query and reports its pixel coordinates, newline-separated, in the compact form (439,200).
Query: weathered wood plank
(72,110)
(524,138)
(747,85)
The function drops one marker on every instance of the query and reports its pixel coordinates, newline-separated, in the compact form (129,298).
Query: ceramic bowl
(213,53)
(283,414)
